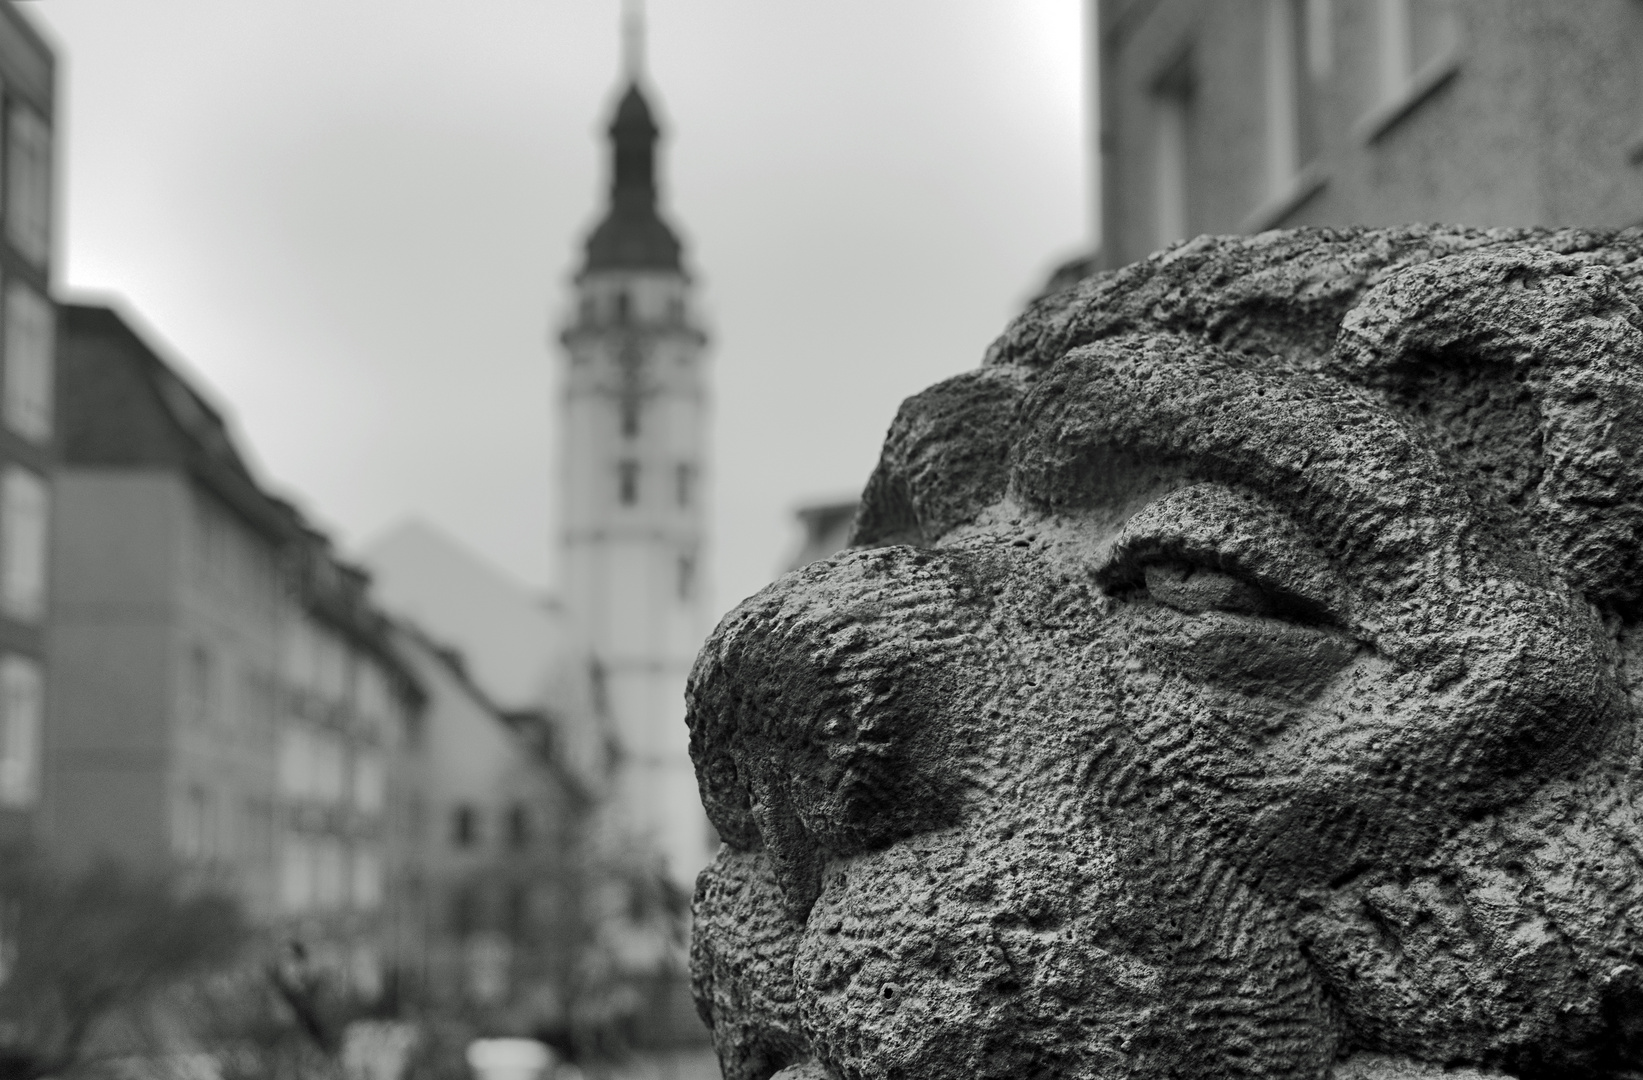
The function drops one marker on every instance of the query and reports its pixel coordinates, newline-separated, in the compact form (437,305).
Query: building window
(416,817)
(488,956)
(630,416)
(365,973)
(627,482)
(1171,154)
(1295,54)
(465,825)
(28,184)
(258,815)
(257,698)
(415,728)
(373,700)
(519,826)
(366,884)
(1412,35)
(196,827)
(687,577)
(328,781)
(330,874)
(1320,39)
(465,911)
(518,913)
(23,517)
(370,783)
(624,308)
(333,666)
(30,331)
(685,483)
(20,711)
(312,766)
(294,769)
(296,874)
(201,685)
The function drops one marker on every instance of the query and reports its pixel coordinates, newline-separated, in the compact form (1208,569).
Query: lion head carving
(1233,677)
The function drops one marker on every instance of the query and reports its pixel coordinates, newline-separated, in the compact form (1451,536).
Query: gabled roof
(120,404)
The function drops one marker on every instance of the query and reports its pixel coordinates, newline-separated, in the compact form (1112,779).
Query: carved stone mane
(1233,677)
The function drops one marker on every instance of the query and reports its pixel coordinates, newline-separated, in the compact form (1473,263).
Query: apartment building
(27,110)
(1229,116)
(484,873)
(222,695)
(348,706)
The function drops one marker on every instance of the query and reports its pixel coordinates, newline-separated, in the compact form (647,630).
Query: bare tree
(85,950)
(283,1017)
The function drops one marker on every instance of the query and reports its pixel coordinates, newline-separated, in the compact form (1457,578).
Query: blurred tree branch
(81,948)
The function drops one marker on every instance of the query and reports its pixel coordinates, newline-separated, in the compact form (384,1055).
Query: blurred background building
(27,447)
(224,694)
(484,869)
(824,529)
(633,491)
(1229,117)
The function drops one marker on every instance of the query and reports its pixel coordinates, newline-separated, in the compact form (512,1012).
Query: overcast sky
(355,222)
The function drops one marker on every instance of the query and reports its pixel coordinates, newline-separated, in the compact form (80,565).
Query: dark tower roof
(633,235)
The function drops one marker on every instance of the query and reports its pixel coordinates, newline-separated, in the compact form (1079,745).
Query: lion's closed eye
(1225,591)
(1207,548)
(1199,588)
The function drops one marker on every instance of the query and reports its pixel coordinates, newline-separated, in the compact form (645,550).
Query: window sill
(1271,213)
(1426,82)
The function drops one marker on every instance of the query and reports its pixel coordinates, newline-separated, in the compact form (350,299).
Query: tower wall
(634,519)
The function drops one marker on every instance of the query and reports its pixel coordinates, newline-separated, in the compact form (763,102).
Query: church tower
(634,510)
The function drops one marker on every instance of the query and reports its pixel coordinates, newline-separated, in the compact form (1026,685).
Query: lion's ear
(945,459)
(1524,369)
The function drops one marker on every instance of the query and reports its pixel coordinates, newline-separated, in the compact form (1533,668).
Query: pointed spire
(633,40)
(632,236)
(633,134)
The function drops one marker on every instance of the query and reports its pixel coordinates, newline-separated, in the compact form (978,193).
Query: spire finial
(633,39)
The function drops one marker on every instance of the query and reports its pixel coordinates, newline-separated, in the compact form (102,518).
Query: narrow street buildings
(485,892)
(223,695)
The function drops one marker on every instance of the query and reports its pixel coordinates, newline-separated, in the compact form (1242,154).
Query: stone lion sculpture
(1233,677)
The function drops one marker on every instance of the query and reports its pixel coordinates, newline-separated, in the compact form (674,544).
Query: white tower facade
(634,513)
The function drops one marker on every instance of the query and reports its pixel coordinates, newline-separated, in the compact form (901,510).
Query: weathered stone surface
(1234,677)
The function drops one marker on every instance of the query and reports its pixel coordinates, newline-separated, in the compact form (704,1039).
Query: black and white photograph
(872,540)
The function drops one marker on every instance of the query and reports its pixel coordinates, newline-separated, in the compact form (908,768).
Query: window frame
(27,393)
(24,543)
(28,194)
